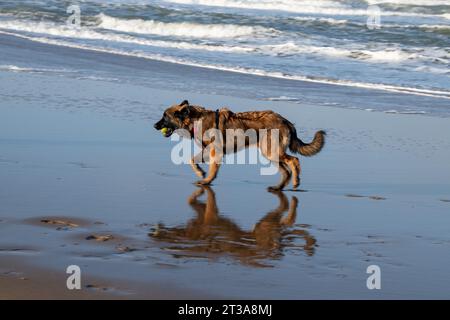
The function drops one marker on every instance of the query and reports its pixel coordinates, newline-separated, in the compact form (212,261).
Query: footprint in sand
(18,251)
(97,288)
(350,195)
(369,197)
(377,198)
(82,165)
(60,223)
(112,290)
(123,249)
(100,238)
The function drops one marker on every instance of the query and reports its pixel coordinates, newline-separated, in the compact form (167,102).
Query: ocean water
(321,42)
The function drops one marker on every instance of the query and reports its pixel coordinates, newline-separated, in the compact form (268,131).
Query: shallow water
(324,42)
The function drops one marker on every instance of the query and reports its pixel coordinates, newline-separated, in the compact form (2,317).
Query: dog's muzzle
(165,130)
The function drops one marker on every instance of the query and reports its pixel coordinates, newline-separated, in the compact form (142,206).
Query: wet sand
(86,180)
(21,280)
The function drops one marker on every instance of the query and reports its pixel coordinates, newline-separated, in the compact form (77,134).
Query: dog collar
(217,119)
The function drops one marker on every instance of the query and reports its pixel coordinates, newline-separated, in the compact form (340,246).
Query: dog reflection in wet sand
(209,235)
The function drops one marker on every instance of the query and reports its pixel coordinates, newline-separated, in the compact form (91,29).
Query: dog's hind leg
(294,164)
(195,160)
(285,177)
(272,153)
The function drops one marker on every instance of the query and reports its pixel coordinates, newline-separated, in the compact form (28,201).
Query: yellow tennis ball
(164,131)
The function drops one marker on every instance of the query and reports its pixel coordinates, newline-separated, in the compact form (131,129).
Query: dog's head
(175,117)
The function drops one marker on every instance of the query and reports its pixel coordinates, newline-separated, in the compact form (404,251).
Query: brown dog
(184,116)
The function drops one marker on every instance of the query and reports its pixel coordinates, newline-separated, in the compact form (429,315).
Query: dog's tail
(307,149)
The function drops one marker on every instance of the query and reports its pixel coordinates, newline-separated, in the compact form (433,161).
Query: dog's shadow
(211,235)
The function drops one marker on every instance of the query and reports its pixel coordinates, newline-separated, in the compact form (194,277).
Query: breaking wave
(178,29)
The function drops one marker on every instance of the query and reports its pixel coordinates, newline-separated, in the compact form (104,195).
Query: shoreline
(170,74)
(424,92)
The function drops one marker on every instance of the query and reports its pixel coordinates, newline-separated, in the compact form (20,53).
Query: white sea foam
(388,55)
(412,2)
(435,26)
(282,98)
(14,68)
(421,26)
(96,78)
(257,72)
(381,56)
(180,29)
(330,21)
(393,111)
(288,48)
(322,7)
(444,70)
(60,30)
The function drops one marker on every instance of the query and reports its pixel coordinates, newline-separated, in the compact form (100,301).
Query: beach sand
(24,281)
(85,180)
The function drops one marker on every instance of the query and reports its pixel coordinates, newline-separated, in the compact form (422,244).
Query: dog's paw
(203,183)
(274,188)
(295,184)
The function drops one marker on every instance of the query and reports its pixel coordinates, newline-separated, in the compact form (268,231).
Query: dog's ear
(185,102)
(184,112)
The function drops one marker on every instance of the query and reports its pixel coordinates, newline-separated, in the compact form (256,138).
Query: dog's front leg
(195,160)
(214,165)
